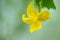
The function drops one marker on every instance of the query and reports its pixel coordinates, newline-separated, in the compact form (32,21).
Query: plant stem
(39,4)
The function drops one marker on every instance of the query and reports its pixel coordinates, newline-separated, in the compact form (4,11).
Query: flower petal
(26,20)
(35,26)
(45,15)
(31,11)
(30,8)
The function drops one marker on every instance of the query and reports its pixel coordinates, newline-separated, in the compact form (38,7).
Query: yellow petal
(30,8)
(31,11)
(35,26)
(26,20)
(45,15)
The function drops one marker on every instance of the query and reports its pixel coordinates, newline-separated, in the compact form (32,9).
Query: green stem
(38,3)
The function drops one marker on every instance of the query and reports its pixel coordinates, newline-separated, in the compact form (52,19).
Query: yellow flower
(35,18)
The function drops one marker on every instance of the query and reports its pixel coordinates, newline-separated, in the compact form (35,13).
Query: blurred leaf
(46,3)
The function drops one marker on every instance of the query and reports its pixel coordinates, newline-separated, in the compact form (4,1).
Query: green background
(12,27)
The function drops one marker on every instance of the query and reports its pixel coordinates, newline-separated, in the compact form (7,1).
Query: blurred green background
(12,27)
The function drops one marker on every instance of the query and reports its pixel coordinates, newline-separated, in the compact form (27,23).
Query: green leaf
(46,3)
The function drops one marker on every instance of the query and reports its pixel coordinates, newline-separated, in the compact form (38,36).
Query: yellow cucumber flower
(35,18)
